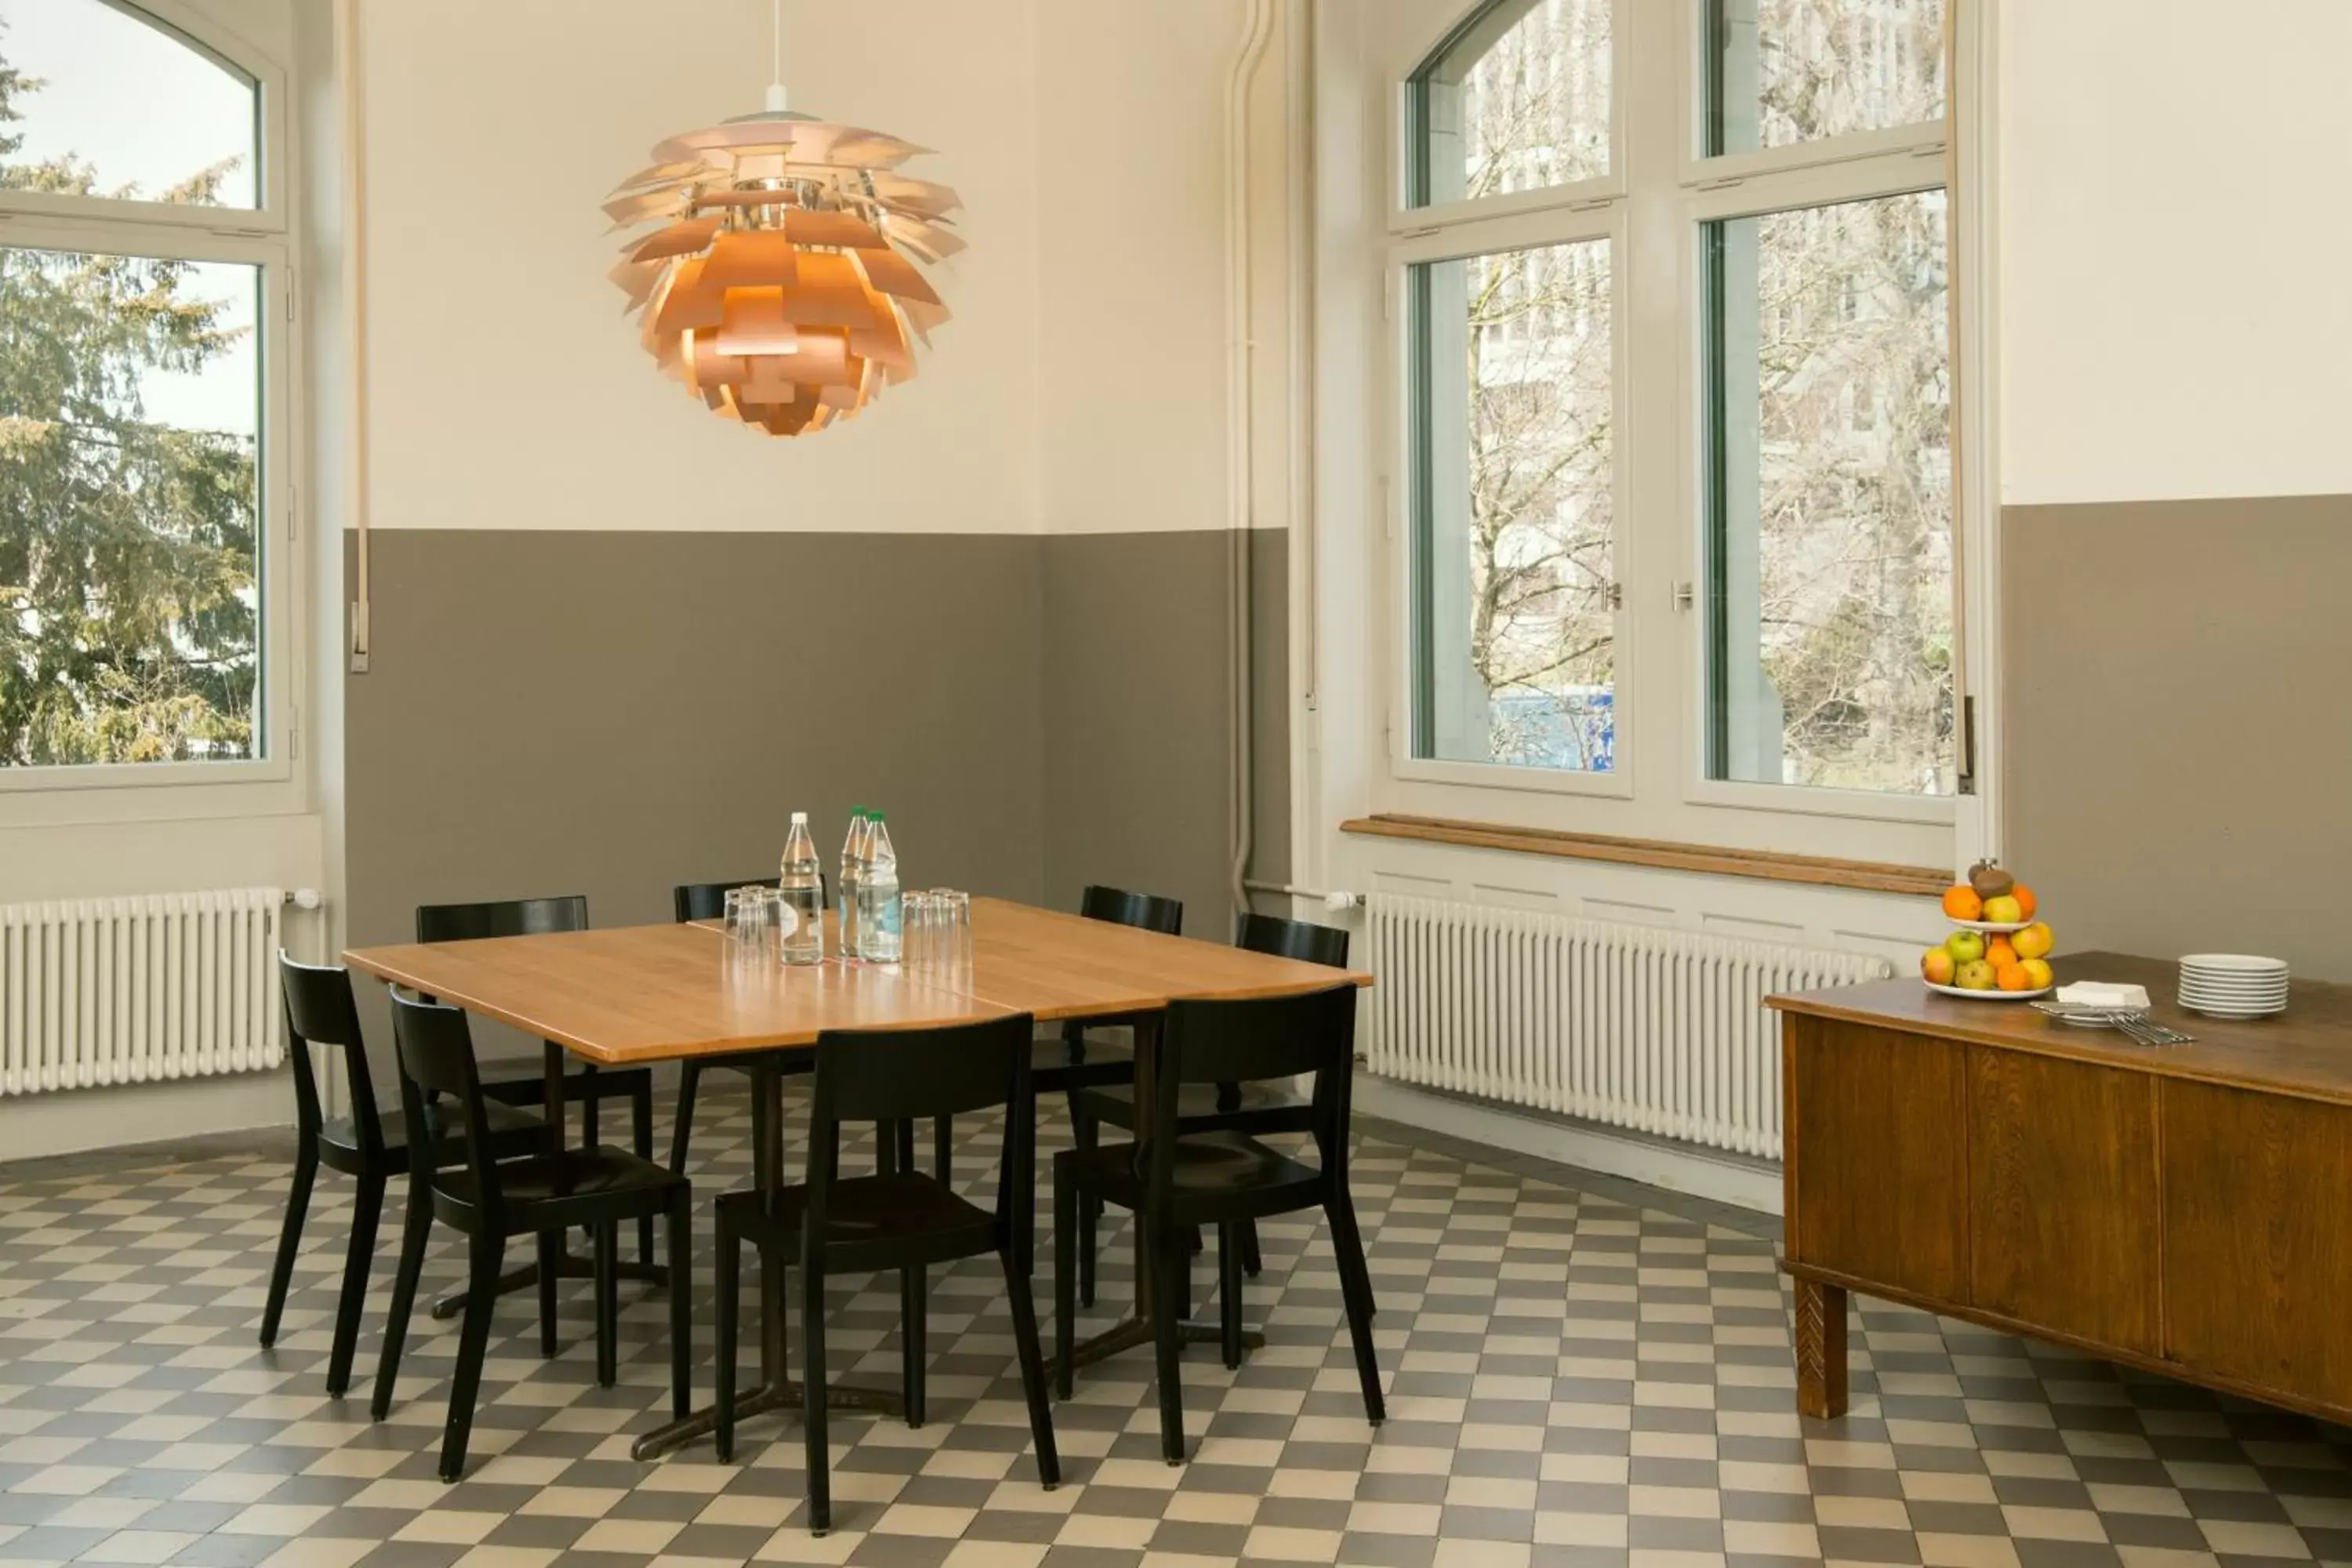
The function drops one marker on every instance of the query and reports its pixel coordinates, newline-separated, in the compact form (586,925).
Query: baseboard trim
(1675,1168)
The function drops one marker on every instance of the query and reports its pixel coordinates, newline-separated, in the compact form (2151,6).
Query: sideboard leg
(1821,1350)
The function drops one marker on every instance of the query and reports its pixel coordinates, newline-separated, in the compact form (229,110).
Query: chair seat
(1262,1108)
(512,1133)
(1054,1073)
(911,1217)
(1216,1176)
(541,1190)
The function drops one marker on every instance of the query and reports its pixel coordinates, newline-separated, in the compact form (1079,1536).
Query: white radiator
(1662,1032)
(102,991)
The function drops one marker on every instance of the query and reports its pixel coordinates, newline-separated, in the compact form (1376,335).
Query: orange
(2013,977)
(2001,953)
(1961,903)
(2026,902)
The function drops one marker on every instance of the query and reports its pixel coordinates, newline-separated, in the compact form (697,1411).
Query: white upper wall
(2174,321)
(506,389)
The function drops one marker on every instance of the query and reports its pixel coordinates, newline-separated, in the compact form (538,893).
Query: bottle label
(788,919)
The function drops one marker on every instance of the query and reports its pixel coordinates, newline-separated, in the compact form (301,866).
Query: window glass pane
(1516,100)
(1782,72)
(130,413)
(96,101)
(1514,514)
(1829,570)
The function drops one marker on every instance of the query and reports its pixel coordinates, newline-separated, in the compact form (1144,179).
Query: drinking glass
(919,930)
(955,929)
(752,928)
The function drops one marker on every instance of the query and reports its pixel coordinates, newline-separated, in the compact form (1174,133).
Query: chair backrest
(707,901)
(320,1011)
(507,917)
(908,1075)
(436,1056)
(1308,944)
(1267,1038)
(1146,910)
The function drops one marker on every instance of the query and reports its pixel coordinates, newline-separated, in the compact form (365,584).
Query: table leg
(1821,1350)
(776,1390)
(569,1264)
(1132,1333)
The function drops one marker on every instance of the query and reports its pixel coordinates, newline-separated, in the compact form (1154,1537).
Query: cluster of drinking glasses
(935,930)
(763,927)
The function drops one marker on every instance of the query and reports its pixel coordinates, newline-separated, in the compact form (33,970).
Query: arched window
(1677,408)
(143,304)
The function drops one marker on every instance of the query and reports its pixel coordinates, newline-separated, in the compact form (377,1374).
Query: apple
(2037,974)
(2004,910)
(2034,941)
(1975,976)
(1937,965)
(1966,946)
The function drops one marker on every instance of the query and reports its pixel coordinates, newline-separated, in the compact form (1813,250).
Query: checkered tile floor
(1581,1372)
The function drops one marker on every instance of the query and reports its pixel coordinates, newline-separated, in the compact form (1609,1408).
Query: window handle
(1686,595)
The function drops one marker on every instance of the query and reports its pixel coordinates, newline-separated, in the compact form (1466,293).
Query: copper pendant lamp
(778,285)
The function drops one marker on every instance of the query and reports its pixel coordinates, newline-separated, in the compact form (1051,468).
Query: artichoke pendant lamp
(780,282)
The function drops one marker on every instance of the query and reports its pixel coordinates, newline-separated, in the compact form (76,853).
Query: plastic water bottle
(845,892)
(877,894)
(803,885)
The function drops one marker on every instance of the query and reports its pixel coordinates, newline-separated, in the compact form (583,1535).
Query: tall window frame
(260,236)
(1664,188)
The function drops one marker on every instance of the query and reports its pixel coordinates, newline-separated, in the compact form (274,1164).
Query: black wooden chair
(585,1084)
(708,901)
(1067,1061)
(1227,1107)
(320,1012)
(905,1221)
(489,1200)
(1223,1178)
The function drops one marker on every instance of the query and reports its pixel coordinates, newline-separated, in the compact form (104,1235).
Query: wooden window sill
(1814,871)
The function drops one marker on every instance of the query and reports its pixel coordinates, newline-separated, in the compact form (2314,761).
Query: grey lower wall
(2179,737)
(557,712)
(1139,753)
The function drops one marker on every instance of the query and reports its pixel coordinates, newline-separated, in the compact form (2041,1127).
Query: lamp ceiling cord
(1240,455)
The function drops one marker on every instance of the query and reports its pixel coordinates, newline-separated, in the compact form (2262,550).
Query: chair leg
(1253,1262)
(1167,1328)
(641,1137)
(1065,1312)
(914,1312)
(813,1382)
(1356,1291)
(367,1207)
(551,1275)
(729,1282)
(904,1133)
(1032,1370)
(1229,1292)
(472,1342)
(289,1238)
(416,1230)
(689,1080)
(681,1303)
(886,1148)
(943,1149)
(608,1304)
(1086,1135)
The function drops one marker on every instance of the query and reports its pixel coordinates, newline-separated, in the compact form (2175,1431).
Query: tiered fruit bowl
(2000,948)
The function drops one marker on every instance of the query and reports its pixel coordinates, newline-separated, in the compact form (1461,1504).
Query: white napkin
(2099,993)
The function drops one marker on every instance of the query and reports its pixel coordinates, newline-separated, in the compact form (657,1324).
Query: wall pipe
(1240,432)
(355,467)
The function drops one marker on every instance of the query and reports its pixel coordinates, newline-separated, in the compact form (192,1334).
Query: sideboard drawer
(1877,1174)
(2062,1197)
(2258,1238)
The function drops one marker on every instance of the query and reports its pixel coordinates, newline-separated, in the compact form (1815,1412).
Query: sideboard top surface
(2305,1051)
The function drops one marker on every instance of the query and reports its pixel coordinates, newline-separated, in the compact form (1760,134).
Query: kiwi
(1989,880)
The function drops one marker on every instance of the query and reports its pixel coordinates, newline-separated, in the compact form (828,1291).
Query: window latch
(1686,595)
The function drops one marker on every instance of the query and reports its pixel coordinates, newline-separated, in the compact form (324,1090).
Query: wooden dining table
(634,995)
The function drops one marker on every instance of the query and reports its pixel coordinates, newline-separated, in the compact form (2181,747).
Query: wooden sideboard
(2187,1209)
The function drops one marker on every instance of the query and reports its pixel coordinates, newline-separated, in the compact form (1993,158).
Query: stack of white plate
(2233,984)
